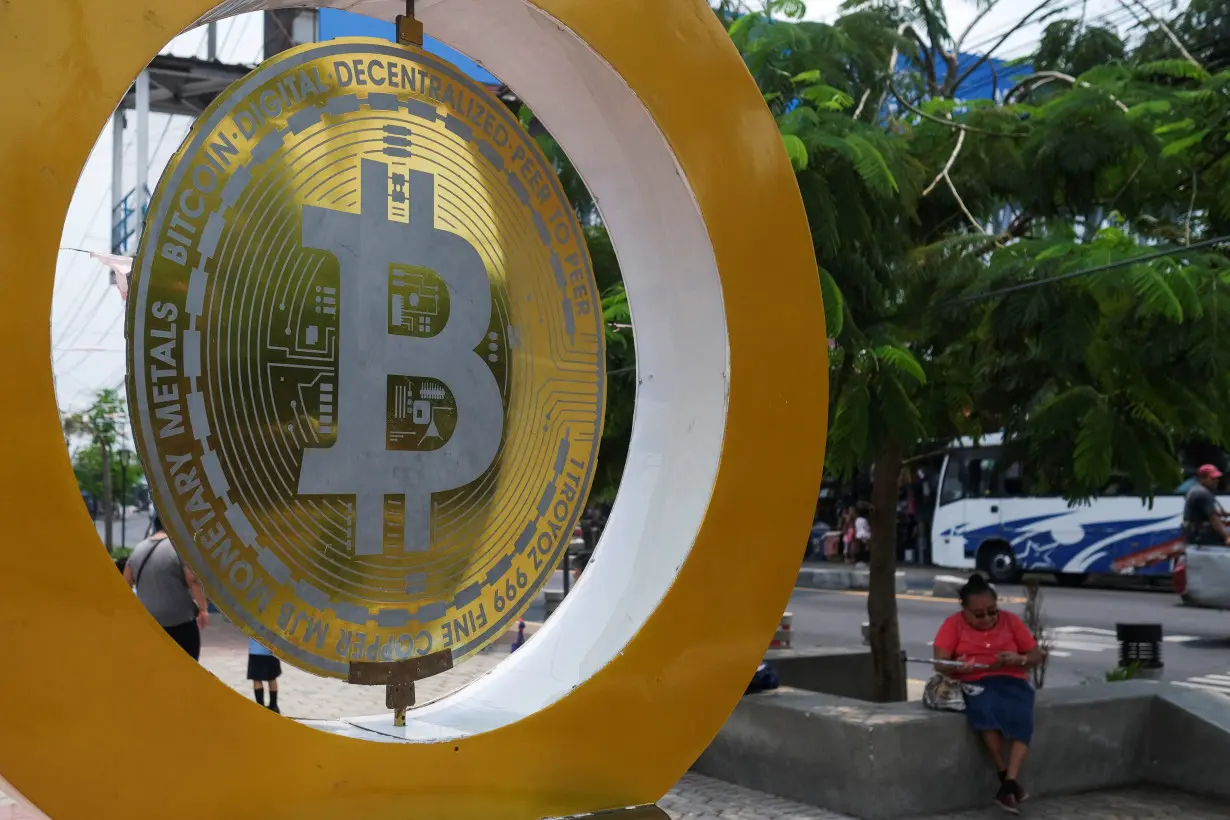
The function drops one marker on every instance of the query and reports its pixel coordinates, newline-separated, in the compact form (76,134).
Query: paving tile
(1135,803)
(224,652)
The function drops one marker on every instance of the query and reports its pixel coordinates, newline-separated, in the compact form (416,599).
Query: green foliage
(101,422)
(935,327)
(93,430)
(87,466)
(1073,48)
(1123,673)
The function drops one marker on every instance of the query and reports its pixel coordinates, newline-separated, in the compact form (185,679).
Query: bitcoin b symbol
(367,245)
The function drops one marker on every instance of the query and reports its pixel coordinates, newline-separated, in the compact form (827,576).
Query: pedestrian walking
(862,534)
(848,533)
(168,588)
(264,668)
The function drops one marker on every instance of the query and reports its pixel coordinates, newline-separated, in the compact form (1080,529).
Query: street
(1082,623)
(1082,620)
(127,533)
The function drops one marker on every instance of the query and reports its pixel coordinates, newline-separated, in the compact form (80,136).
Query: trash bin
(1140,644)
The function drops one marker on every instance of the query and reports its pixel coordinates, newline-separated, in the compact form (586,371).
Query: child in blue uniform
(264,667)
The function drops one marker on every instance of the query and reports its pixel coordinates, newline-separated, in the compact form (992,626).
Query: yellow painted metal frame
(101,714)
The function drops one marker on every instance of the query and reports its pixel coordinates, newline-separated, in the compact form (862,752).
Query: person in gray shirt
(168,588)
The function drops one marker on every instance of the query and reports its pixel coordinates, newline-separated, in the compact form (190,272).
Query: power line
(1113,20)
(1050,14)
(69,325)
(82,295)
(247,18)
(1063,277)
(98,305)
(86,325)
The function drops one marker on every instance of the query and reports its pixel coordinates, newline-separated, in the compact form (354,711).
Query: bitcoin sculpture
(366,357)
(620,691)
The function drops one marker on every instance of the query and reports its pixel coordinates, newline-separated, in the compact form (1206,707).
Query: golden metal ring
(703,544)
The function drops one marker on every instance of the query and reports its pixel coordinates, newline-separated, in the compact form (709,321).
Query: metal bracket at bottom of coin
(648,812)
(398,678)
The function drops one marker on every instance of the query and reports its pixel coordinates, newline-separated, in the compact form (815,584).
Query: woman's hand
(1012,659)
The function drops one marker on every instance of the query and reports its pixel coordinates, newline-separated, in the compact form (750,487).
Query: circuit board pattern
(349,476)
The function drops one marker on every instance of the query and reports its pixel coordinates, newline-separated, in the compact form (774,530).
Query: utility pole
(143,103)
(117,183)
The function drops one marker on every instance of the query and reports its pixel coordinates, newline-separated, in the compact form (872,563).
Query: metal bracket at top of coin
(409,27)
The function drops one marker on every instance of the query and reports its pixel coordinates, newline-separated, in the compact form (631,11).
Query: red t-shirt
(984,645)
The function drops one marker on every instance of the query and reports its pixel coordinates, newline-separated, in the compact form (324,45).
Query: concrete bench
(825,669)
(879,761)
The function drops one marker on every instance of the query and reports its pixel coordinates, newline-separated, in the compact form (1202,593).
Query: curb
(844,579)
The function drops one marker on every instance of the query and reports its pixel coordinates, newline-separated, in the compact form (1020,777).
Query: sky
(87,325)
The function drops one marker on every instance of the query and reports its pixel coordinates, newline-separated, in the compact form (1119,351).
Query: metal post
(117,178)
(123,498)
(142,149)
(211,36)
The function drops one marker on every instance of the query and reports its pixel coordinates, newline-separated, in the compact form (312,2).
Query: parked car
(1202,576)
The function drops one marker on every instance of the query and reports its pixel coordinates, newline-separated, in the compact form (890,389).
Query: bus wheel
(998,561)
(1071,579)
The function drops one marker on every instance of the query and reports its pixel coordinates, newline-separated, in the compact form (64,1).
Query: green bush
(1122,673)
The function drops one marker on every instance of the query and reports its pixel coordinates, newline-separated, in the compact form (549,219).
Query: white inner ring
(681,345)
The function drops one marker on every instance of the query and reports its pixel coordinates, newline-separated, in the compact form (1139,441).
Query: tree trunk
(105,458)
(883,632)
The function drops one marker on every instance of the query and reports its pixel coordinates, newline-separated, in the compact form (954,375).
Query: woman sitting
(996,650)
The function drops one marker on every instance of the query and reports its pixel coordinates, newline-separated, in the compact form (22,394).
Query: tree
(954,239)
(126,472)
(1041,265)
(100,425)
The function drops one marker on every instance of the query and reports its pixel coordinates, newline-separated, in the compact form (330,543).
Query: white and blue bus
(984,518)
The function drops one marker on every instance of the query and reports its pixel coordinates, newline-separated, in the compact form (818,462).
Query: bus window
(1014,482)
(953,488)
(980,477)
(969,475)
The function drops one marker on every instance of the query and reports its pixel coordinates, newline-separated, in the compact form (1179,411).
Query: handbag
(943,694)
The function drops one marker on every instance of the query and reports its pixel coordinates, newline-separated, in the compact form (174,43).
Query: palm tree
(101,423)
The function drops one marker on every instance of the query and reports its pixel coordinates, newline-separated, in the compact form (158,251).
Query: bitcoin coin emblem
(367,245)
(366,357)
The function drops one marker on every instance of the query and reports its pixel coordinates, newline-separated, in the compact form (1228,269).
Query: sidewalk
(701,798)
(224,652)
(694,798)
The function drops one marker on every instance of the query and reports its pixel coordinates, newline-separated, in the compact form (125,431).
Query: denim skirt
(1001,703)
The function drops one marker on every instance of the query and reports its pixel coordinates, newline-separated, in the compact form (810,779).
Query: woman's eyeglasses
(983,614)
